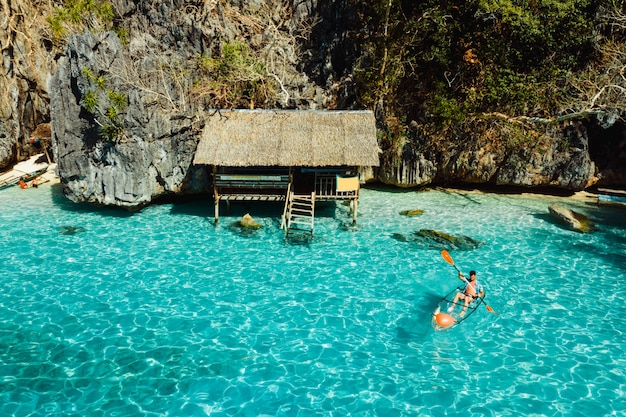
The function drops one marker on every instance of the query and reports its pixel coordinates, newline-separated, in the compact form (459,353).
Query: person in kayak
(472,290)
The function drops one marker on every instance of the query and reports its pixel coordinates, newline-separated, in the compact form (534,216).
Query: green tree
(235,78)
(105,105)
(445,61)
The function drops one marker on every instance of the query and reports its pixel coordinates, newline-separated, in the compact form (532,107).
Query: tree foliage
(443,61)
(76,15)
(105,105)
(235,78)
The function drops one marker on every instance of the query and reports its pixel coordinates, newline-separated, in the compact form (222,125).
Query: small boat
(610,197)
(444,320)
(13,178)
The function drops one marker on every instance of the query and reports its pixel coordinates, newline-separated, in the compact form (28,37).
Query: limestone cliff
(28,60)
(126,118)
(559,157)
(126,106)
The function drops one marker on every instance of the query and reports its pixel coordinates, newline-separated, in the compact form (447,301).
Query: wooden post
(45,149)
(355,204)
(216,196)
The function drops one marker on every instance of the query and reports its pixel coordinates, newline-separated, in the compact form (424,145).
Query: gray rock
(249,222)
(575,221)
(152,157)
(559,158)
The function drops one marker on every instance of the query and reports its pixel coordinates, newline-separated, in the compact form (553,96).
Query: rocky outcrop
(559,158)
(575,221)
(435,239)
(131,153)
(28,60)
(152,158)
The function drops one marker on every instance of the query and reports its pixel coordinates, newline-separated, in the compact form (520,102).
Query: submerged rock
(400,237)
(246,226)
(70,230)
(440,240)
(412,213)
(575,221)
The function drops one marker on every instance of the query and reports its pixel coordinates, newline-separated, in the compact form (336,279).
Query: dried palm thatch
(242,138)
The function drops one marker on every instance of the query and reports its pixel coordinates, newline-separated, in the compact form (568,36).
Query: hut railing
(272,182)
(326,188)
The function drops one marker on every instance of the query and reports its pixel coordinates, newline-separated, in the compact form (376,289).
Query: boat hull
(443,320)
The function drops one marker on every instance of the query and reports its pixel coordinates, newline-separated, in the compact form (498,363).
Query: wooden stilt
(217,207)
(216,197)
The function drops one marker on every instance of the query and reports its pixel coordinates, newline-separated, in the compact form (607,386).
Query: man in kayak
(473,289)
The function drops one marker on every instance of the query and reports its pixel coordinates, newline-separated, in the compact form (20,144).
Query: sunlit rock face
(558,158)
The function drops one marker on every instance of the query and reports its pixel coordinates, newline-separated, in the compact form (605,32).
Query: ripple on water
(162,312)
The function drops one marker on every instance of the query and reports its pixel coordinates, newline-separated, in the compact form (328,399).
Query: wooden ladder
(299,213)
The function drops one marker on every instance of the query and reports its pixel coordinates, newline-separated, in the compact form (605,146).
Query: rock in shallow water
(439,240)
(412,213)
(575,221)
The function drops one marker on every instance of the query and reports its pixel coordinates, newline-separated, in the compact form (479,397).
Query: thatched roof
(297,138)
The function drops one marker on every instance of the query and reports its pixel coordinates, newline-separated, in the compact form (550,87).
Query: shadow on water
(299,239)
(195,206)
(611,224)
(202,206)
(616,255)
(609,217)
(417,323)
(63,203)
(464,195)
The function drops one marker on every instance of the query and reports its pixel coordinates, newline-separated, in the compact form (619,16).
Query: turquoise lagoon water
(163,313)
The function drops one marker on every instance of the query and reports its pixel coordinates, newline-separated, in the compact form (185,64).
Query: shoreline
(587,196)
(31,165)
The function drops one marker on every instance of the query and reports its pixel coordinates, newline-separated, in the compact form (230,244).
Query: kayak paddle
(446,256)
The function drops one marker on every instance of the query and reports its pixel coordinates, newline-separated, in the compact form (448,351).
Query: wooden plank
(252,197)
(252,181)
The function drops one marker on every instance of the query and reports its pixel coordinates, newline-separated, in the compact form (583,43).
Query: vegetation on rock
(235,77)
(446,64)
(104,104)
(494,84)
(74,16)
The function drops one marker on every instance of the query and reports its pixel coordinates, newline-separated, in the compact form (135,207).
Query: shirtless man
(473,289)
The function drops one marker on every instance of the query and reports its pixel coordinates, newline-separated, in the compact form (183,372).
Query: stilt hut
(288,155)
